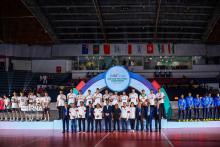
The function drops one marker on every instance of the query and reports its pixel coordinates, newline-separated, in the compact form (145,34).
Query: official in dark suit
(139,117)
(65,117)
(107,111)
(90,117)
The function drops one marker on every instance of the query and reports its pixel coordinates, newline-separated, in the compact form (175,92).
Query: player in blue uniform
(211,107)
(217,107)
(205,106)
(196,102)
(181,108)
(189,107)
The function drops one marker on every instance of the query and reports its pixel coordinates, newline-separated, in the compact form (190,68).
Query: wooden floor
(207,137)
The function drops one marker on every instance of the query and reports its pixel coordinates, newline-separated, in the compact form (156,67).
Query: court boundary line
(102,139)
(167,139)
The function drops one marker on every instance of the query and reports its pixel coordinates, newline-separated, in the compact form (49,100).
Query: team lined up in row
(119,109)
(210,107)
(23,107)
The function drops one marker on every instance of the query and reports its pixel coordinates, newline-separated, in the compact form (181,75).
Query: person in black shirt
(116,117)
(107,111)
(139,117)
(90,117)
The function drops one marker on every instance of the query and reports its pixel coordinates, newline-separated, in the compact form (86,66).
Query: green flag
(75,91)
(167,105)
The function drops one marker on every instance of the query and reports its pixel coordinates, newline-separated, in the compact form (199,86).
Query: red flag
(80,85)
(169,48)
(150,48)
(106,48)
(156,84)
(129,49)
(163,48)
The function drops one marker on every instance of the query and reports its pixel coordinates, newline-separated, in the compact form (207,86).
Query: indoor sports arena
(103,73)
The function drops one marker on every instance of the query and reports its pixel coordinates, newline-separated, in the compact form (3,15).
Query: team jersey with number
(23,101)
(81,112)
(125,112)
(114,99)
(14,102)
(160,95)
(134,98)
(152,98)
(46,101)
(124,98)
(88,99)
(98,98)
(98,113)
(61,98)
(80,98)
(143,97)
(73,113)
(71,97)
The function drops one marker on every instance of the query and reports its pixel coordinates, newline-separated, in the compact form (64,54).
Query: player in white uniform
(81,114)
(46,106)
(23,105)
(160,98)
(39,107)
(14,106)
(7,102)
(80,98)
(61,98)
(73,117)
(97,97)
(31,104)
(124,98)
(143,97)
(98,117)
(114,98)
(132,116)
(133,96)
(124,116)
(105,97)
(88,98)
(71,97)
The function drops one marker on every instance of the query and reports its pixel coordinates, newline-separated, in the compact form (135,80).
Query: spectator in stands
(45,79)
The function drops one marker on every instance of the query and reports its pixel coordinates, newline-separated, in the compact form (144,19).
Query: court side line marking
(168,140)
(30,142)
(101,140)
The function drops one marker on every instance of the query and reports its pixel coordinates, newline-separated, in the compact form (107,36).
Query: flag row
(130,49)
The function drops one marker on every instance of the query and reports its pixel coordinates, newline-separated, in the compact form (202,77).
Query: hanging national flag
(150,48)
(85,48)
(80,85)
(129,48)
(95,49)
(173,49)
(159,47)
(106,48)
(75,91)
(162,48)
(169,48)
(139,49)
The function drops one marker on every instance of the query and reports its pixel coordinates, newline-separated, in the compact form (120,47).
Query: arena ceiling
(113,21)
